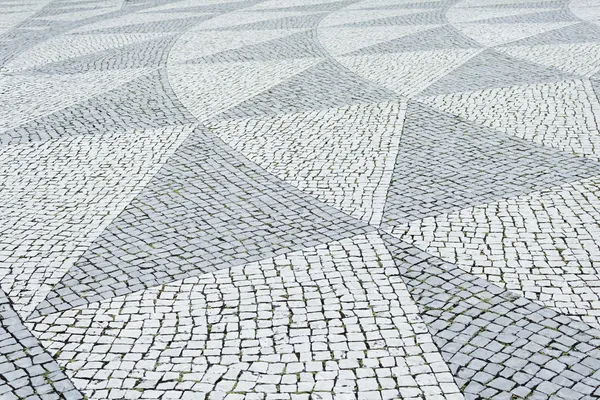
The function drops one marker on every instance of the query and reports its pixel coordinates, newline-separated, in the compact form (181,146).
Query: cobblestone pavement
(299,199)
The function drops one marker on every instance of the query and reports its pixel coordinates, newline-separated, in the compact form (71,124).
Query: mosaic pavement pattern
(299,199)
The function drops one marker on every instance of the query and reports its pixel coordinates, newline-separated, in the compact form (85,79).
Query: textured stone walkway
(299,199)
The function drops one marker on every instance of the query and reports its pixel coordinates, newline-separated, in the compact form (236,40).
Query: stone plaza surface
(299,199)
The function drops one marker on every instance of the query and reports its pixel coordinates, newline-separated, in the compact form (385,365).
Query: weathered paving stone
(26,369)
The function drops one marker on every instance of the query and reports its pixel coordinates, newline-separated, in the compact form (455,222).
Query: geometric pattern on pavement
(295,199)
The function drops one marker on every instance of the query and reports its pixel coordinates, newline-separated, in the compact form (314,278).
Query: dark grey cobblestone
(446,164)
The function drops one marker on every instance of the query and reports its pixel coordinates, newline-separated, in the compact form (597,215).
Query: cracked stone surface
(300,199)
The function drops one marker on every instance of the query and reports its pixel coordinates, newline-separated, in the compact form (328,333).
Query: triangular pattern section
(424,18)
(58,11)
(322,7)
(154,103)
(340,41)
(535,4)
(213,6)
(292,22)
(524,238)
(348,18)
(444,37)
(14,15)
(446,164)
(491,69)
(203,91)
(290,5)
(204,44)
(123,20)
(72,17)
(209,8)
(296,45)
(457,15)
(491,35)
(578,33)
(166,26)
(582,59)
(542,17)
(104,172)
(531,112)
(408,73)
(394,5)
(206,209)
(325,85)
(385,4)
(313,151)
(245,17)
(528,4)
(152,54)
(222,7)
(54,92)
(67,49)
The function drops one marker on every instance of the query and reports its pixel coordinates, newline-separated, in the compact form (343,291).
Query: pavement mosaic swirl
(299,199)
